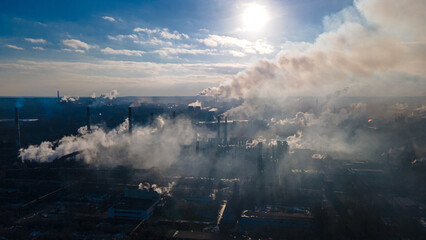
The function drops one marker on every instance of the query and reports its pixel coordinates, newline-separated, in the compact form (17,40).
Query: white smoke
(373,47)
(165,190)
(152,146)
(69,99)
(99,101)
(110,95)
(195,104)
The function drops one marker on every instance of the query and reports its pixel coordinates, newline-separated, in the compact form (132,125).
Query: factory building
(137,205)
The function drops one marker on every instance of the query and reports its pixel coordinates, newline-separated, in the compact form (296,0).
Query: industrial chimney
(130,120)
(59,99)
(88,119)
(18,129)
(226,131)
(218,128)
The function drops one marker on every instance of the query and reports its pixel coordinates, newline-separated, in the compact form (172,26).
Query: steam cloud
(160,190)
(110,95)
(98,101)
(146,147)
(69,99)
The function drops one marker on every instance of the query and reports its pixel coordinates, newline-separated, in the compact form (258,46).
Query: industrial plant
(165,169)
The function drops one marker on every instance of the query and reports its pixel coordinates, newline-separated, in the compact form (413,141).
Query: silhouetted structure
(130,120)
(88,118)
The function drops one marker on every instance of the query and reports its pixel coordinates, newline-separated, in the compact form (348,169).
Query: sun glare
(255,17)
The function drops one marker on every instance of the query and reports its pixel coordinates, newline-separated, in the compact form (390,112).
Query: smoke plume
(372,47)
(158,145)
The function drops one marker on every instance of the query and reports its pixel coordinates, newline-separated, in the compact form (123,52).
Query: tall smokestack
(59,99)
(226,130)
(218,128)
(130,120)
(18,129)
(88,118)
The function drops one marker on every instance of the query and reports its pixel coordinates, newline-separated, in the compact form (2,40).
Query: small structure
(136,205)
(290,218)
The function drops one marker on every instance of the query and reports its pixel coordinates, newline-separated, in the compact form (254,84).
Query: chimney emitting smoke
(130,120)
(88,119)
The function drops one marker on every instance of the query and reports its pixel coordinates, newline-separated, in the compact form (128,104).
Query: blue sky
(143,48)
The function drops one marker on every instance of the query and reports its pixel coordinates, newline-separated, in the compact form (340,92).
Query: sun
(255,17)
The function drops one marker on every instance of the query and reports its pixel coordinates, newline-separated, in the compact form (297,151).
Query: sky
(149,48)
(142,48)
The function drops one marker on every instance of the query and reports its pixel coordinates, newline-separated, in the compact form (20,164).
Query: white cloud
(111,19)
(153,41)
(165,33)
(121,37)
(14,47)
(176,51)
(35,40)
(260,46)
(236,53)
(38,48)
(146,30)
(126,52)
(73,50)
(77,45)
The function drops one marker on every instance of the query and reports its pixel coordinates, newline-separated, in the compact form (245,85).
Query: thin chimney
(130,120)
(59,99)
(18,129)
(226,130)
(88,119)
(218,128)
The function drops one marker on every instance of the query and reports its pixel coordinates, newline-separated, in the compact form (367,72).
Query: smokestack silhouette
(226,130)
(218,127)
(59,99)
(18,129)
(88,119)
(130,120)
